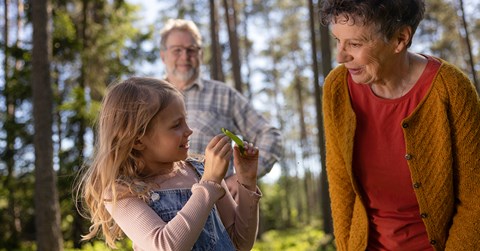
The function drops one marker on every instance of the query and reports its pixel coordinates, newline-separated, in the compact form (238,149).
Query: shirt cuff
(257,193)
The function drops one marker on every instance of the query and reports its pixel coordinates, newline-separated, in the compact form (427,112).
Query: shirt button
(405,125)
(408,156)
(416,185)
(424,215)
(433,242)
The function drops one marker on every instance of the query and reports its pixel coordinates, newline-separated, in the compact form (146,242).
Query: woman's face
(363,51)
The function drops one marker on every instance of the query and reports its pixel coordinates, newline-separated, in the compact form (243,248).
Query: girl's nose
(188,132)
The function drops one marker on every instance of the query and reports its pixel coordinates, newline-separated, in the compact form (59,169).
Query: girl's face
(363,51)
(166,139)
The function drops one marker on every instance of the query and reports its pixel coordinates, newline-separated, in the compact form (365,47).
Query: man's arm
(254,127)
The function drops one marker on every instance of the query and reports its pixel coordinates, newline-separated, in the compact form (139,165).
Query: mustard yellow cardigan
(442,138)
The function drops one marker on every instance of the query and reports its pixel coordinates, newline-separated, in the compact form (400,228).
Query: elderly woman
(402,135)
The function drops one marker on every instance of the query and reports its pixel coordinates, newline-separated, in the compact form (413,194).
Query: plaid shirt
(212,105)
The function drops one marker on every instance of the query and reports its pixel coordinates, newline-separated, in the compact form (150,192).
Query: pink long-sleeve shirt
(149,232)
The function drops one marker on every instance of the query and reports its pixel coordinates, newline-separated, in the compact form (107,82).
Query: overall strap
(197,165)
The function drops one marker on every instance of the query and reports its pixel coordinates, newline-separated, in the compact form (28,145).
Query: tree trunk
(283,163)
(231,18)
(247,48)
(303,142)
(9,127)
(326,66)
(47,209)
(80,123)
(216,60)
(469,47)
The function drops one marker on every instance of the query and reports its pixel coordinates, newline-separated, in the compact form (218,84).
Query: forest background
(59,56)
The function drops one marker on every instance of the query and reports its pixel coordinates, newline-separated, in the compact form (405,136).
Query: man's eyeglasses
(178,50)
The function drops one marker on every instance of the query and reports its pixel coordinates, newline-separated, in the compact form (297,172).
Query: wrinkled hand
(217,157)
(246,165)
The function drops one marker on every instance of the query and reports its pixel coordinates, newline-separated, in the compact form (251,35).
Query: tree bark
(47,209)
(231,17)
(326,66)
(303,144)
(9,127)
(469,47)
(216,60)
(247,47)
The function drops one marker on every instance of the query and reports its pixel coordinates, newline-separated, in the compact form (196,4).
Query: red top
(380,167)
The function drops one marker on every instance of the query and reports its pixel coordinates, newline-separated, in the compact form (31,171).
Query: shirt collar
(198,83)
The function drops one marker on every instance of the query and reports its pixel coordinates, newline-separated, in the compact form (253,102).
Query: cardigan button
(416,185)
(408,156)
(405,125)
(424,215)
(433,242)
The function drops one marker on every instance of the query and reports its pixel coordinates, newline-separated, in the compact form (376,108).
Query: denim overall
(169,202)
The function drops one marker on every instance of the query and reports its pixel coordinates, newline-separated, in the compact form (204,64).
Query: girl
(142,182)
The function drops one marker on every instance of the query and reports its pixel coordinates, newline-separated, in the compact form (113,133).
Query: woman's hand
(217,158)
(246,165)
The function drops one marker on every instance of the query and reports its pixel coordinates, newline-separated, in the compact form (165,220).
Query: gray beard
(185,76)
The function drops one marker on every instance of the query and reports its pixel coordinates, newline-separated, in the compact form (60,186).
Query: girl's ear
(138,145)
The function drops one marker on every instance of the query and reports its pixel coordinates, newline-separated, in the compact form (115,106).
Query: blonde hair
(125,115)
(181,25)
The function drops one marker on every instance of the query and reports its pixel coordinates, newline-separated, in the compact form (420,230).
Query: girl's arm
(241,221)
(149,232)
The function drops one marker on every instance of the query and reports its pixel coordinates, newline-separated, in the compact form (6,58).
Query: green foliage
(24,211)
(24,246)
(63,26)
(125,244)
(272,207)
(283,208)
(309,238)
(68,246)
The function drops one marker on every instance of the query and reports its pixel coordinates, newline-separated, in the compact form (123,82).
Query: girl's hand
(246,165)
(217,157)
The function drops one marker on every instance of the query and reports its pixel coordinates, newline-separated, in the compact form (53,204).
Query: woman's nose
(341,56)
